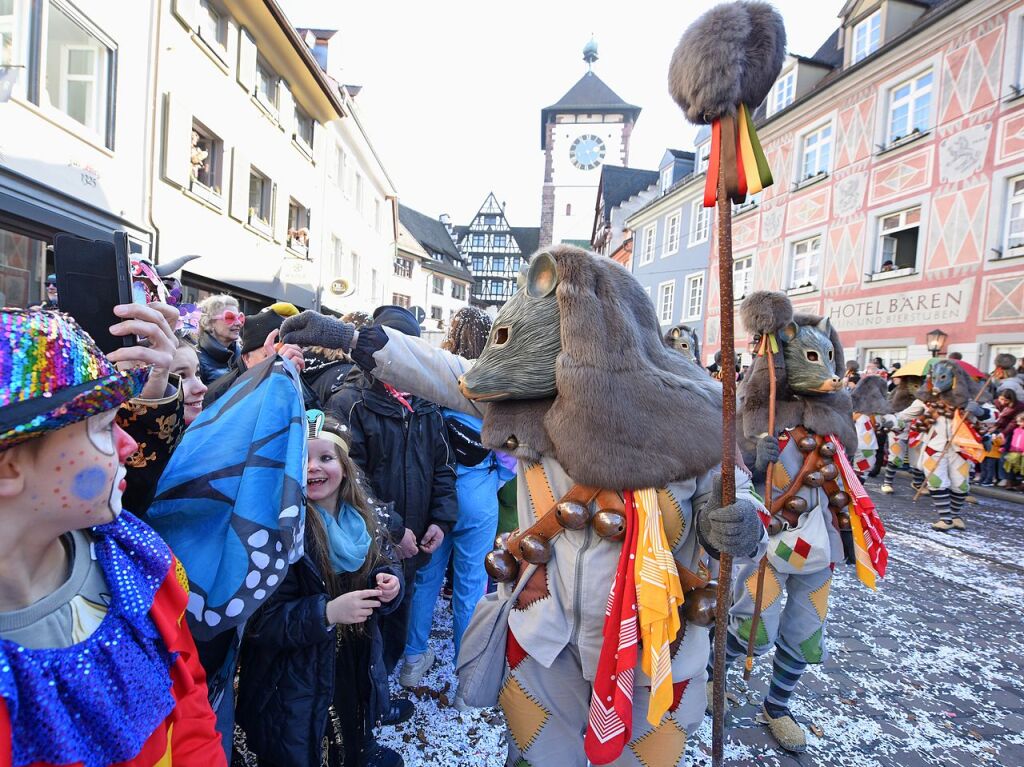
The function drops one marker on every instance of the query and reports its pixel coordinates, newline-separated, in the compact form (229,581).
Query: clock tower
(586,128)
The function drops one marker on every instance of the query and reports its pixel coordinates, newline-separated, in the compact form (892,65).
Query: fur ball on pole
(730,56)
(765,311)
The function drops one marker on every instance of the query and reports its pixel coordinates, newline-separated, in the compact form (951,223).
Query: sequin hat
(52,375)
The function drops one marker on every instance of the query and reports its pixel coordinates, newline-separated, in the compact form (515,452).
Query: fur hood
(823,413)
(871,396)
(628,412)
(904,394)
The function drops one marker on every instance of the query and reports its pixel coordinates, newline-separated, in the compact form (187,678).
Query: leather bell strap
(547,525)
(813,461)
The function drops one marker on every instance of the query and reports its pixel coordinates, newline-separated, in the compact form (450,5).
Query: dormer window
(666,179)
(867,37)
(782,92)
(703,157)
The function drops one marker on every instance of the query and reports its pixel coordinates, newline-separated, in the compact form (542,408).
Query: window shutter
(280,203)
(177,141)
(187,11)
(286,108)
(239,207)
(246,61)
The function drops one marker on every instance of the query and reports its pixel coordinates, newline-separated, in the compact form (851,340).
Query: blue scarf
(347,538)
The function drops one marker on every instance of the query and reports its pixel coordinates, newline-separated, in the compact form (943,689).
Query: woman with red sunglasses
(220,325)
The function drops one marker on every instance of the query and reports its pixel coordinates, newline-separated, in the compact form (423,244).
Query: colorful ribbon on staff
(736,148)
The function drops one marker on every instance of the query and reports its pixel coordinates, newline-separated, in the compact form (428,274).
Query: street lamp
(936,340)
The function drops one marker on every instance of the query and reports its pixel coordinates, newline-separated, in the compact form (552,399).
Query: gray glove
(315,329)
(976,410)
(767,452)
(734,529)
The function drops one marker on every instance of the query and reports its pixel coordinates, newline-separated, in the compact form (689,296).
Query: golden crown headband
(315,420)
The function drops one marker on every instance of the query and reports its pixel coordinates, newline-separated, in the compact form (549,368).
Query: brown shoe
(785,730)
(943,525)
(958,524)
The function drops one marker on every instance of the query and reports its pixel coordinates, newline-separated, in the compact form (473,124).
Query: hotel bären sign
(948,304)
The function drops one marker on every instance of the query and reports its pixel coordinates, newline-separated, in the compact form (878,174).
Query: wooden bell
(839,500)
(501,566)
(572,515)
(807,444)
(829,471)
(610,525)
(813,479)
(827,450)
(843,518)
(535,549)
(796,504)
(699,605)
(501,541)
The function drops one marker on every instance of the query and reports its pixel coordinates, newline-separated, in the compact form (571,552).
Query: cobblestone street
(926,671)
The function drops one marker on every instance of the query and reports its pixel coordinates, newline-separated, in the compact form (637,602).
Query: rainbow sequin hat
(52,375)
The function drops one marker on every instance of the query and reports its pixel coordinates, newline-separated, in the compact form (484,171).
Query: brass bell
(535,549)
(775,526)
(501,541)
(699,605)
(843,517)
(796,504)
(501,566)
(807,444)
(829,471)
(814,479)
(827,450)
(610,525)
(839,500)
(572,515)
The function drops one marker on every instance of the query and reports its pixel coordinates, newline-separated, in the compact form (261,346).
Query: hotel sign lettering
(915,307)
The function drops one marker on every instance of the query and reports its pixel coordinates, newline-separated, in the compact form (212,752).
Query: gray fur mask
(810,358)
(518,361)
(943,376)
(684,339)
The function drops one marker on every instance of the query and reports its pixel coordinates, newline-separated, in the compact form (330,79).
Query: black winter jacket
(214,357)
(289,674)
(405,456)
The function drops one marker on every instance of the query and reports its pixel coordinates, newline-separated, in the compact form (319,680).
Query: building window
(261,198)
(11,31)
(742,276)
(666,300)
(694,296)
(1015,218)
(267,85)
(703,157)
(867,36)
(910,107)
(700,222)
(782,93)
(437,285)
(478,240)
(804,263)
(478,264)
(889,355)
(79,72)
(303,128)
(666,179)
(353,270)
(207,157)
(435,314)
(378,216)
(516,262)
(213,25)
(490,220)
(298,227)
(398,299)
(22,266)
(458,291)
(337,256)
(500,240)
(898,235)
(498,264)
(340,161)
(816,156)
(1017,350)
(403,267)
(360,202)
(647,254)
(672,234)
(568,209)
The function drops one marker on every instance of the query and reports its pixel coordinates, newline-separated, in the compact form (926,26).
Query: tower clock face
(587,152)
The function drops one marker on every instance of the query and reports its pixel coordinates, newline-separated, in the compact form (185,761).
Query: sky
(452,91)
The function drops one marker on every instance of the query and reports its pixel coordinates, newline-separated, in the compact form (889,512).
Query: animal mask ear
(542,278)
(789,331)
(825,327)
(524,270)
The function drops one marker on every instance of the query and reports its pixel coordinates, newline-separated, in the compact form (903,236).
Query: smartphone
(94,276)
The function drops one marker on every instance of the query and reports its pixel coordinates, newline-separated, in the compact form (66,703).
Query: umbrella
(921,367)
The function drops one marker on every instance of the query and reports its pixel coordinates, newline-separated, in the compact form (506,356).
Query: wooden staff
(748,665)
(728,142)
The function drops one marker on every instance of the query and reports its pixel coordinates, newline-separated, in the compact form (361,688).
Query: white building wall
(577,187)
(50,148)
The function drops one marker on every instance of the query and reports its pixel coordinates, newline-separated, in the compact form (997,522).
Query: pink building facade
(898,203)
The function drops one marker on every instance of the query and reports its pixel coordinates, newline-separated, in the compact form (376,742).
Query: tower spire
(590,53)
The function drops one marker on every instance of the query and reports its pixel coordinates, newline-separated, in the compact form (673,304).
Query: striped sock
(733,650)
(890,474)
(940,500)
(956,502)
(916,478)
(786,672)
